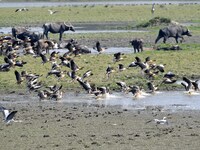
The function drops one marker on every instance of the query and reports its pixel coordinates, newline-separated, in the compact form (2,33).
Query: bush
(156,21)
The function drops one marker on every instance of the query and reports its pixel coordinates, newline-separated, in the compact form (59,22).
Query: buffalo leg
(45,34)
(60,36)
(164,39)
(157,39)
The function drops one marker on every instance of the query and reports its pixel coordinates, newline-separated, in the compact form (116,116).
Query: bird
(121,67)
(162,121)
(72,75)
(118,56)
(153,8)
(21,9)
(123,86)
(109,70)
(190,85)
(101,92)
(18,77)
(51,12)
(152,88)
(87,74)
(44,58)
(135,90)
(58,73)
(56,93)
(8,117)
(42,94)
(168,81)
(99,48)
(73,66)
(169,75)
(85,85)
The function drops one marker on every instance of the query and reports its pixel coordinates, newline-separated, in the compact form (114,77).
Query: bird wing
(150,86)
(5,112)
(11,115)
(18,76)
(188,81)
(141,65)
(44,58)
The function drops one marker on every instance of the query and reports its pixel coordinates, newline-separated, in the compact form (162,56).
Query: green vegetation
(156,21)
(182,63)
(134,14)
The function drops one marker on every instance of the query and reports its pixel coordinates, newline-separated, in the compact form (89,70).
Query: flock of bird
(148,68)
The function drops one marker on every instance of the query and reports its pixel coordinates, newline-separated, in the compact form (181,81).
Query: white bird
(153,8)
(52,12)
(162,121)
(8,117)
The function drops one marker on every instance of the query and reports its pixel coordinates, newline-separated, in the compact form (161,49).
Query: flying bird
(162,121)
(8,117)
(21,9)
(51,12)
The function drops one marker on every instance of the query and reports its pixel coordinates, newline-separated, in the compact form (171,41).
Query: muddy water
(174,100)
(7,30)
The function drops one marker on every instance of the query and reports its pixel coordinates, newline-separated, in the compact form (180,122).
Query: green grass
(182,63)
(76,14)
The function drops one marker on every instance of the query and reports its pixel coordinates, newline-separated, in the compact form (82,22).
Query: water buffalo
(30,36)
(175,31)
(137,44)
(18,30)
(56,28)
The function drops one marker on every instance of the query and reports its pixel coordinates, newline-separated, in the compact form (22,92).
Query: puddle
(173,100)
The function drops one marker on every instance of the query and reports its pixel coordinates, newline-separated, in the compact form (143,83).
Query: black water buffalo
(30,36)
(137,44)
(18,30)
(175,31)
(56,28)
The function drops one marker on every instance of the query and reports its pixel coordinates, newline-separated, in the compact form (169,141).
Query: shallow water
(7,30)
(173,100)
(110,50)
(52,4)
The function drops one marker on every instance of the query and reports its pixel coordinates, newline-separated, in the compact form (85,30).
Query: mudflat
(55,125)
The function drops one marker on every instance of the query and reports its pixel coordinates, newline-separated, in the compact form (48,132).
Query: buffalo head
(188,33)
(69,27)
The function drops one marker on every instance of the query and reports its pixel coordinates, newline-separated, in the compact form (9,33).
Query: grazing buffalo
(175,31)
(18,30)
(56,28)
(137,45)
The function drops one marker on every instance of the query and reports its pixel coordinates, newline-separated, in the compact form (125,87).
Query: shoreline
(59,126)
